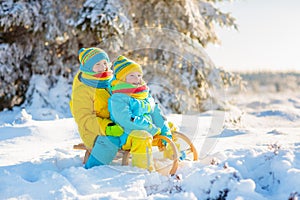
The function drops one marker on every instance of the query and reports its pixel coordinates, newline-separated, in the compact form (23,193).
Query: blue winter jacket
(134,114)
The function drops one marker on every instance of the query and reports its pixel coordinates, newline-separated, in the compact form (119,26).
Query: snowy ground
(253,154)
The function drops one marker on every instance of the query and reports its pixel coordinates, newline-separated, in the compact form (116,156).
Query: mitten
(113,129)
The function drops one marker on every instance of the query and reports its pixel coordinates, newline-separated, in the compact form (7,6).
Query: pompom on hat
(124,66)
(88,57)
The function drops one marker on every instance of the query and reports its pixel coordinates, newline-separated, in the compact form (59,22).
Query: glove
(113,129)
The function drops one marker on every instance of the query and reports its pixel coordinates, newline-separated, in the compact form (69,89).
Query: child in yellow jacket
(89,106)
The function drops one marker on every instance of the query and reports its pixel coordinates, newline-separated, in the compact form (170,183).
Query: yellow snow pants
(139,143)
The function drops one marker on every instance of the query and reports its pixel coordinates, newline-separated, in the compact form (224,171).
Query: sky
(268,38)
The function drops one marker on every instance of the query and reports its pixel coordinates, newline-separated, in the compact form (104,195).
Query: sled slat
(79,146)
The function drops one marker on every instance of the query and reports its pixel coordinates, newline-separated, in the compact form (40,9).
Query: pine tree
(35,39)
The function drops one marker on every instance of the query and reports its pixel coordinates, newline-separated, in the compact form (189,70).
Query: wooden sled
(189,150)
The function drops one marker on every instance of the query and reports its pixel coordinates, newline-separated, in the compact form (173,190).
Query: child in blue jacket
(132,107)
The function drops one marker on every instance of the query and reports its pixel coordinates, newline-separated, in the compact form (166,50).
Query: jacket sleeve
(119,106)
(160,120)
(82,109)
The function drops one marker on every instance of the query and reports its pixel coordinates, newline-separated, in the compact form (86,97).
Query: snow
(250,151)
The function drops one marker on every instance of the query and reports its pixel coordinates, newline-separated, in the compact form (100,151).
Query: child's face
(134,78)
(101,66)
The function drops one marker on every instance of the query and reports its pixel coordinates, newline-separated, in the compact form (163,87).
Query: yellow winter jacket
(89,107)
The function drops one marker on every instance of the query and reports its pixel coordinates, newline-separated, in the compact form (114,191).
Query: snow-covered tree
(35,39)
(166,37)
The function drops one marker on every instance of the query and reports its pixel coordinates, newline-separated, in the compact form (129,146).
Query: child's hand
(113,129)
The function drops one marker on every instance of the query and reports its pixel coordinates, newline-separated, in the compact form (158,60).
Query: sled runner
(179,149)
